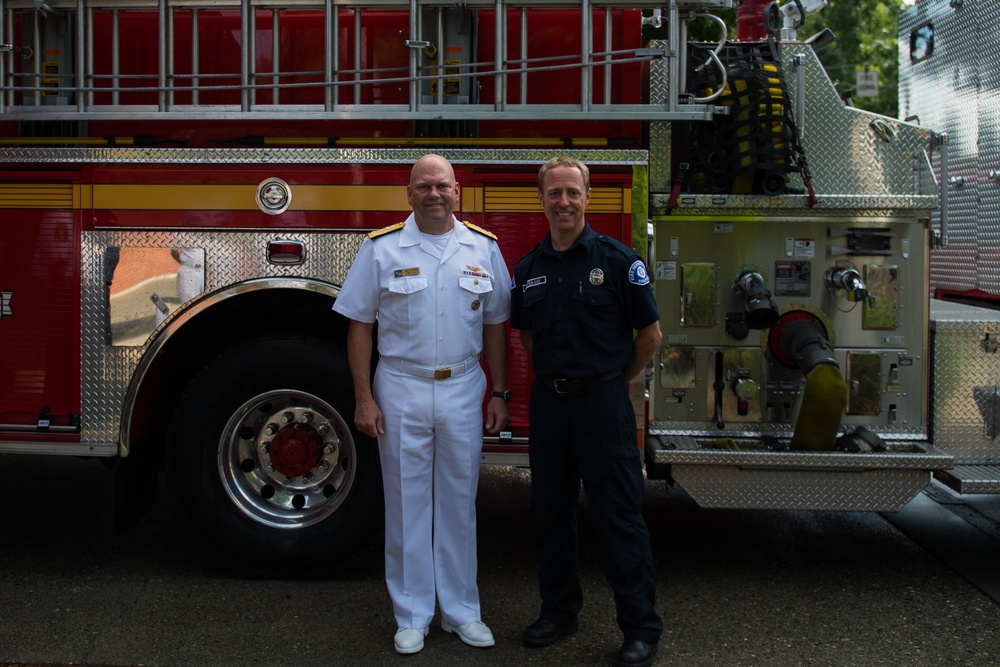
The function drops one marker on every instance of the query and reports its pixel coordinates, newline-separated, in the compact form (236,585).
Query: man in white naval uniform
(439,289)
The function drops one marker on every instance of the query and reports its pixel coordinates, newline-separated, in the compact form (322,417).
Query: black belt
(576,385)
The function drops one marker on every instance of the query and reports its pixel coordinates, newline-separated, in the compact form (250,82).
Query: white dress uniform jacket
(430,306)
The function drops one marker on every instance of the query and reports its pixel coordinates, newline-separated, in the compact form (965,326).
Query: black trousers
(590,437)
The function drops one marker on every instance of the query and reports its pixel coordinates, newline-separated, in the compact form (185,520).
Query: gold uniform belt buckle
(442,373)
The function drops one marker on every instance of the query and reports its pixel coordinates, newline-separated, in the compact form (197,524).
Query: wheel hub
(287,459)
(295,450)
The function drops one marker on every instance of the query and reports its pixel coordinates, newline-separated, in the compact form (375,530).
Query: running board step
(971,478)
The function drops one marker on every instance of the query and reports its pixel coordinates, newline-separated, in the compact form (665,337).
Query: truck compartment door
(39,306)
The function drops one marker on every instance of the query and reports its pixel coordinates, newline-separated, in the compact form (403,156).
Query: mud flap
(136,480)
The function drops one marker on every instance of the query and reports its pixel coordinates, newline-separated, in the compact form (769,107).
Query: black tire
(265,459)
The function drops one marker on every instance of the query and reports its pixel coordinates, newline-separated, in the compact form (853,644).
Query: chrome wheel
(287,459)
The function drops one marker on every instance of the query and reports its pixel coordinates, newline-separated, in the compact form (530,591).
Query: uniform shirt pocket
(473,292)
(533,296)
(600,312)
(406,300)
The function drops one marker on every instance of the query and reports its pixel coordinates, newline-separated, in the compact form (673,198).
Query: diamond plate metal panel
(900,457)
(965,382)
(309,156)
(756,479)
(660,135)
(230,258)
(847,153)
(858,206)
(660,138)
(862,491)
(961,70)
(872,165)
(988,218)
(972,479)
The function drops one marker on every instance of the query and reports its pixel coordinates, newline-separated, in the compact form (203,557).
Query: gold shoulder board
(386,230)
(480,230)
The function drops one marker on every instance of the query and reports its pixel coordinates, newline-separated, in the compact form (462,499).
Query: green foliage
(866,32)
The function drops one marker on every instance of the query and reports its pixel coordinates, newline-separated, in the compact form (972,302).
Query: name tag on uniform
(400,273)
(534,282)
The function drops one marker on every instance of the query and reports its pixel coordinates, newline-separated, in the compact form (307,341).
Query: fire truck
(184,185)
(946,84)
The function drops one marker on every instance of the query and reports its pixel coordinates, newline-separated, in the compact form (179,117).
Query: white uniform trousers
(430,470)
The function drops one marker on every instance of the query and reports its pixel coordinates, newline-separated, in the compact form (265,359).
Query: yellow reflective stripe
(472,201)
(610,200)
(36,195)
(83,196)
(197,197)
(525,200)
(349,198)
(188,197)
(174,197)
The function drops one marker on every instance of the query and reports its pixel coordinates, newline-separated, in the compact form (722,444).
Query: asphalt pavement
(736,587)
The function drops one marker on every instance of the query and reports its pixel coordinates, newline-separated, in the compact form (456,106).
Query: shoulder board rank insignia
(386,230)
(480,230)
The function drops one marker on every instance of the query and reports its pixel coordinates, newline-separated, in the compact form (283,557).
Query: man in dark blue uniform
(576,300)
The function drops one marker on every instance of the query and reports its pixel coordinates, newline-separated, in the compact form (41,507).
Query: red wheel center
(295,450)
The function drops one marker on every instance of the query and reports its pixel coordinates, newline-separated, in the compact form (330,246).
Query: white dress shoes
(409,640)
(473,634)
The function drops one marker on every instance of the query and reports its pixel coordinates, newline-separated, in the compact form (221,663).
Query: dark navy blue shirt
(581,305)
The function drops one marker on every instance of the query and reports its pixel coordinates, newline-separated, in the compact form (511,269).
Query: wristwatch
(505,395)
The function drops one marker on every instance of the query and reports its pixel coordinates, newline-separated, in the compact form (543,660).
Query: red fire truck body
(183,188)
(165,224)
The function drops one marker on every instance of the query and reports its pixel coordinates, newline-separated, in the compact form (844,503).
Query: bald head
(433,194)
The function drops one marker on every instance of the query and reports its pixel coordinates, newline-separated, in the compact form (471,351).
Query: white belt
(443,373)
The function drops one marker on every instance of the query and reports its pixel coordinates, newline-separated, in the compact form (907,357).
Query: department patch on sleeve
(637,274)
